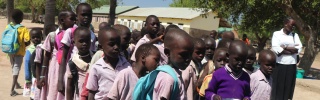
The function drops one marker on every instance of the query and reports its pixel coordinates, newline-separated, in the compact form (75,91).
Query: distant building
(192,21)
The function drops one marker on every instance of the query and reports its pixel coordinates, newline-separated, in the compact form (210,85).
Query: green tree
(263,17)
(183,3)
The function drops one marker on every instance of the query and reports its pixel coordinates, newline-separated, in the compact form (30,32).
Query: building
(192,21)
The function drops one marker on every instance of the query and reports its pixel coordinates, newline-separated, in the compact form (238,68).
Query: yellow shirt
(205,84)
(23,36)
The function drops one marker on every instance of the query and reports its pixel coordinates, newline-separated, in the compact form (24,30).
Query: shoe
(13,93)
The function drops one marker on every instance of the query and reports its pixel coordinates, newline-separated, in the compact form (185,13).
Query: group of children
(160,63)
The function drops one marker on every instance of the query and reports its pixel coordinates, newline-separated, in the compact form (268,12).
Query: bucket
(300,73)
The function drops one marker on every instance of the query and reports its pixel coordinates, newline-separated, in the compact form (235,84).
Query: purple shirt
(260,86)
(102,76)
(227,85)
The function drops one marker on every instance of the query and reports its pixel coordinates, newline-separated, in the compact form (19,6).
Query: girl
(148,57)
(79,63)
(66,20)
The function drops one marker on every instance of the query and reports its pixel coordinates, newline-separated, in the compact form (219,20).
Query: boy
(261,81)
(23,40)
(191,74)
(179,59)
(125,35)
(251,59)
(104,25)
(210,47)
(231,82)
(103,73)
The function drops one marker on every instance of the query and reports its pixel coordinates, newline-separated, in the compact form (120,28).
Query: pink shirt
(123,85)
(260,86)
(143,40)
(38,52)
(102,76)
(189,78)
(164,84)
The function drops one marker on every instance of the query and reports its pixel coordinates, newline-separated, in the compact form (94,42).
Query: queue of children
(161,63)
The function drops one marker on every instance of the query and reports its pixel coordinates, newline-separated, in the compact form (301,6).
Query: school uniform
(189,78)
(102,76)
(227,85)
(38,59)
(124,84)
(260,86)
(248,71)
(163,86)
(143,40)
(284,74)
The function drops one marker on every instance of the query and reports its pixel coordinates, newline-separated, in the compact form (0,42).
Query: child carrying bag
(10,43)
(145,85)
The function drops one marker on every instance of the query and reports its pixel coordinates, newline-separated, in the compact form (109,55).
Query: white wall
(209,23)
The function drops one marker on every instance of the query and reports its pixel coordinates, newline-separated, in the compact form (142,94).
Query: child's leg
(16,62)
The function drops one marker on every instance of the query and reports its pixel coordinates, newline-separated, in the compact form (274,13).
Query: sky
(146,3)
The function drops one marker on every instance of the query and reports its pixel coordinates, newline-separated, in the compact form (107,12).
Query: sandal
(13,93)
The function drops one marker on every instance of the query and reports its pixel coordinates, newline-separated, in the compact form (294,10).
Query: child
(251,59)
(104,25)
(261,81)
(148,57)
(169,27)
(84,18)
(125,35)
(231,82)
(191,74)
(213,34)
(79,63)
(224,43)
(228,35)
(30,67)
(103,73)
(23,40)
(210,47)
(135,37)
(152,28)
(220,60)
(49,76)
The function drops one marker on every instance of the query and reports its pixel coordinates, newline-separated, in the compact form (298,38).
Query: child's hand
(43,81)
(61,87)
(160,38)
(39,85)
(217,97)
(246,98)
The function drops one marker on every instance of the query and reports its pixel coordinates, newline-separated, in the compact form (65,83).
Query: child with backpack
(166,82)
(14,41)
(30,66)
(49,76)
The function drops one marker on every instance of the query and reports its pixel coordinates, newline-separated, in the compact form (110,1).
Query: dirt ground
(305,89)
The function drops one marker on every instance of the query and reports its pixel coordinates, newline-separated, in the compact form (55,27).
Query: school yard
(305,89)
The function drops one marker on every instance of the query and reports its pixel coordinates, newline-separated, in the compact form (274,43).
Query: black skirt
(284,80)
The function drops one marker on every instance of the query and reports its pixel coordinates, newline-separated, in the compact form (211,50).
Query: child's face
(84,15)
(267,63)
(153,25)
(36,36)
(151,61)
(69,21)
(250,59)
(181,55)
(237,60)
(111,44)
(83,41)
(198,53)
(210,47)
(125,40)
(220,59)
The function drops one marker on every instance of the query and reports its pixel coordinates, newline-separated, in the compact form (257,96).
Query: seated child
(79,63)
(103,73)
(220,60)
(148,57)
(261,80)
(191,74)
(30,67)
(251,59)
(231,82)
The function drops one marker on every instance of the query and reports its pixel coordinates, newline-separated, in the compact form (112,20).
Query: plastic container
(300,73)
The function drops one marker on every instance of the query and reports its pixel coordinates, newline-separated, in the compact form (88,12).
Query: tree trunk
(309,34)
(49,15)
(33,14)
(262,43)
(10,7)
(112,12)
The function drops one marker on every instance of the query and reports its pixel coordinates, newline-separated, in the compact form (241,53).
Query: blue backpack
(145,85)
(10,43)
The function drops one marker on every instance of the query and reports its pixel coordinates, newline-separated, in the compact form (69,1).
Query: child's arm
(156,40)
(33,64)
(62,69)
(211,91)
(91,95)
(92,83)
(27,68)
(70,88)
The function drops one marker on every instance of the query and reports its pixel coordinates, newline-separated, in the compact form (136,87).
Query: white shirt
(280,38)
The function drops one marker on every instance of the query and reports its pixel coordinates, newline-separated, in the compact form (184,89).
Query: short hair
(36,29)
(198,41)
(175,35)
(102,32)
(287,20)
(104,25)
(224,43)
(17,15)
(220,49)
(150,16)
(263,54)
(64,14)
(76,32)
(121,29)
(145,50)
(82,4)
(144,31)
(135,34)
(171,26)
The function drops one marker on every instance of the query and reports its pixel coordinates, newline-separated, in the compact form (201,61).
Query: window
(180,25)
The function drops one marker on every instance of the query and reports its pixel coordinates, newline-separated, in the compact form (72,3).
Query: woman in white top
(287,46)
